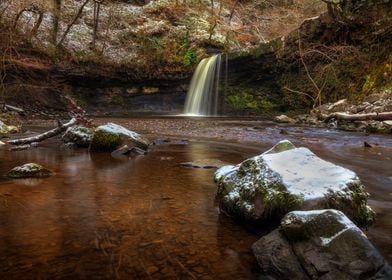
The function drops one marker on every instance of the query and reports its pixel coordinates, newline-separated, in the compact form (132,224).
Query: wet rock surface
(321,244)
(286,178)
(29,170)
(127,150)
(204,163)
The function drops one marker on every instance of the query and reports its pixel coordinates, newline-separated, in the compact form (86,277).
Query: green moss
(190,58)
(353,203)
(248,99)
(282,146)
(268,47)
(277,201)
(105,142)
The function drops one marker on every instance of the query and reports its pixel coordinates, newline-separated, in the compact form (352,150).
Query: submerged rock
(110,136)
(81,136)
(319,244)
(29,170)
(204,163)
(127,151)
(286,178)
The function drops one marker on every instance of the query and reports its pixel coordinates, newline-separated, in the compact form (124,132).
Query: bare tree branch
(45,135)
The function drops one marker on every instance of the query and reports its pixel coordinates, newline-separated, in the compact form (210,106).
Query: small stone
(29,170)
(204,163)
(367,145)
(152,269)
(284,119)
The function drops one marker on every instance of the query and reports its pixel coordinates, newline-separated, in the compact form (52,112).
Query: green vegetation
(353,204)
(190,58)
(248,99)
(105,141)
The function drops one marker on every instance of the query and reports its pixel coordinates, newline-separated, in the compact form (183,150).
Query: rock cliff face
(99,89)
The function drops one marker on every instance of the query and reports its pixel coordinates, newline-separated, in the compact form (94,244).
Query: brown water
(149,218)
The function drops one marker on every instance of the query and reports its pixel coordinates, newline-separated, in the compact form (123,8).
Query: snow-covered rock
(319,244)
(110,136)
(284,119)
(286,178)
(29,170)
(81,136)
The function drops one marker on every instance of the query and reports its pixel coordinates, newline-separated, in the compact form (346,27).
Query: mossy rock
(110,136)
(104,141)
(29,170)
(5,130)
(285,178)
(81,136)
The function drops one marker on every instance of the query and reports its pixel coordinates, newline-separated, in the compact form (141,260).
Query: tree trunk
(34,30)
(360,117)
(56,20)
(77,16)
(45,135)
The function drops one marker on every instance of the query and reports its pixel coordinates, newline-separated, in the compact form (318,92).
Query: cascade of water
(203,93)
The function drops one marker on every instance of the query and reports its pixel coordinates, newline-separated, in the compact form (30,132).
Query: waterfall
(203,93)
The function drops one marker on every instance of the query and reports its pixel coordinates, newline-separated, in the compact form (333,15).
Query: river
(147,217)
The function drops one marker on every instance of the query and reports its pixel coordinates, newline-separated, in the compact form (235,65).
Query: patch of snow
(118,129)
(326,240)
(305,216)
(234,195)
(224,170)
(305,174)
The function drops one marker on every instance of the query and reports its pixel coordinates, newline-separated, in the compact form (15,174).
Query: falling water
(202,97)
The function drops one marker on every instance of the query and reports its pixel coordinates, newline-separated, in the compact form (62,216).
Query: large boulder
(110,136)
(29,170)
(81,136)
(319,244)
(287,178)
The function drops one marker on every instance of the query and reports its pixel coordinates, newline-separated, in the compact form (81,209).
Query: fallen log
(8,107)
(45,135)
(13,108)
(384,116)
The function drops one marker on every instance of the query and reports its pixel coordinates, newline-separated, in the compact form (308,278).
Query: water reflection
(142,217)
